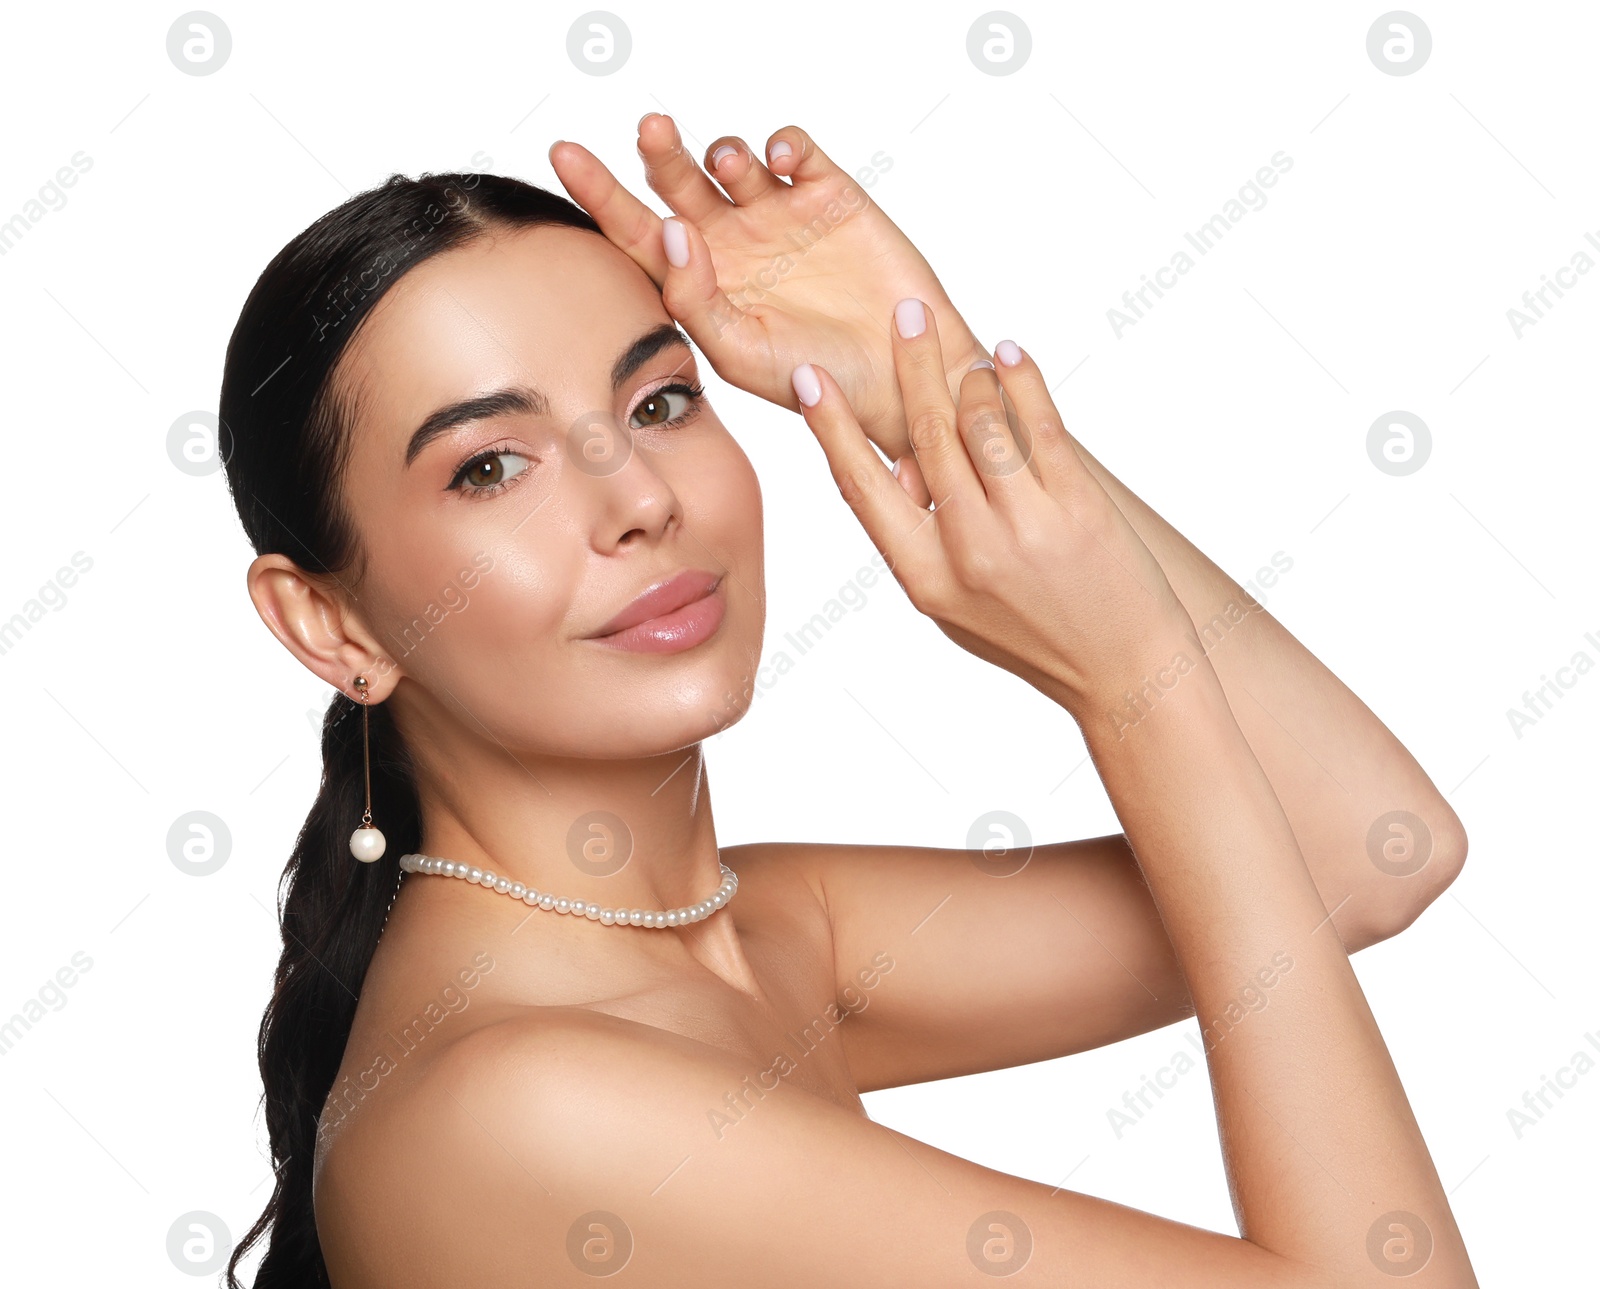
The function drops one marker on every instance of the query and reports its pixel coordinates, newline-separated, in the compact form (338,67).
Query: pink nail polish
(1008,353)
(807,387)
(910,319)
(675,241)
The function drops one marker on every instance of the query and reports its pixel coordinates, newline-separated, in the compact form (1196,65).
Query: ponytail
(332,911)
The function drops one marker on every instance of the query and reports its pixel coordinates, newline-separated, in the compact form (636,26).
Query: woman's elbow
(1416,858)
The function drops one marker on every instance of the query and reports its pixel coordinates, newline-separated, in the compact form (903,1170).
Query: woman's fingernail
(909,319)
(675,241)
(1008,353)
(983,362)
(780,149)
(895,468)
(807,388)
(724,150)
(643,119)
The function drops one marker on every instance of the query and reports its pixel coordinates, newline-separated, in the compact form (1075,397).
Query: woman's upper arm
(550,1154)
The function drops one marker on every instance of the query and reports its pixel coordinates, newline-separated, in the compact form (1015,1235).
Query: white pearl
(516,889)
(474,874)
(608,916)
(367,844)
(547,901)
(563,905)
(592,912)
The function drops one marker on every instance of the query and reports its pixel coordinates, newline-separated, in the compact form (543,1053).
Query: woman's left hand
(1025,560)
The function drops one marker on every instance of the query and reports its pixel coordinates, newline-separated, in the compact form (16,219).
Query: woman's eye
(487,472)
(657,409)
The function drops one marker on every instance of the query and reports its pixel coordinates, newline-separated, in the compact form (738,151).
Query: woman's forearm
(1338,771)
(1320,1143)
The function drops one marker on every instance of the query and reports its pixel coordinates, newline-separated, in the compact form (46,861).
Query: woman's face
(499,544)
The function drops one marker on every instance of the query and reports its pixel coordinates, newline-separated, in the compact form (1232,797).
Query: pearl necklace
(417,863)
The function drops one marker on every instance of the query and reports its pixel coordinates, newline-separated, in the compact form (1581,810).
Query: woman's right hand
(790,260)
(1038,573)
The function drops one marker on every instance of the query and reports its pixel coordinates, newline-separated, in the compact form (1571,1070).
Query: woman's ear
(318,628)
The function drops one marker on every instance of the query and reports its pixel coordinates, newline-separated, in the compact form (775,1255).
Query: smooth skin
(1334,766)
(585,1077)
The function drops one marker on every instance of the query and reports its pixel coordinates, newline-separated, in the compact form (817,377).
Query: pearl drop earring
(366,842)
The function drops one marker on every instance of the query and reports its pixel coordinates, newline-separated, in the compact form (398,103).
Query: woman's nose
(620,478)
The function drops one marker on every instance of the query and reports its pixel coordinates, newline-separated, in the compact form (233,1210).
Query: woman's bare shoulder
(579,1140)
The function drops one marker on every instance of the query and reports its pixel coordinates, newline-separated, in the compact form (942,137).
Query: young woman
(493,509)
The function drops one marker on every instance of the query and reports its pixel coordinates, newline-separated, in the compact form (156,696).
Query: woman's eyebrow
(529,400)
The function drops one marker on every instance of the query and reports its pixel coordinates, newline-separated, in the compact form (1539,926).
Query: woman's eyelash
(694,390)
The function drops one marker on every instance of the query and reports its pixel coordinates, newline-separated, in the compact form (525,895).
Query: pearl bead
(367,844)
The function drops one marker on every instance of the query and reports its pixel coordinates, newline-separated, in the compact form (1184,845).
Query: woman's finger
(690,293)
(792,154)
(930,413)
(881,505)
(909,473)
(1048,446)
(740,172)
(626,221)
(999,458)
(674,174)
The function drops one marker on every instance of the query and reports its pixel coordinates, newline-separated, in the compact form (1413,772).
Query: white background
(1418,210)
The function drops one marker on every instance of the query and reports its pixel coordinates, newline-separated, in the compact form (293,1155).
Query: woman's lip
(678,590)
(679,629)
